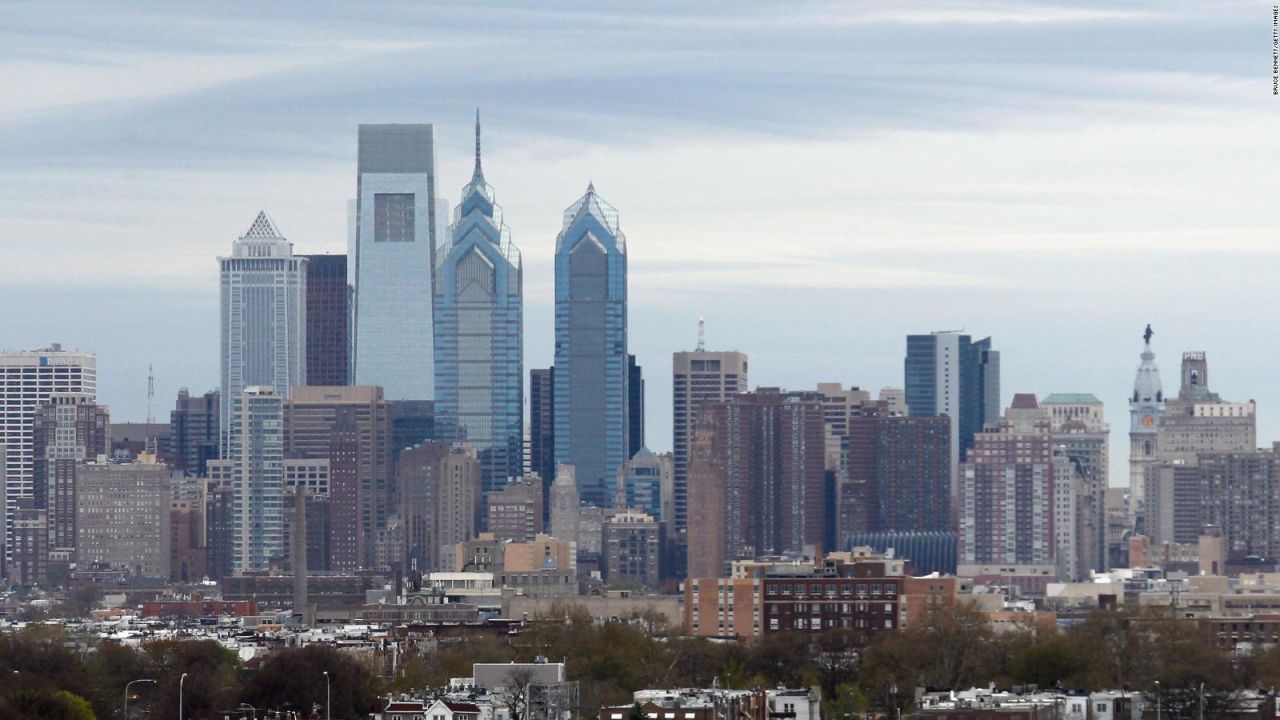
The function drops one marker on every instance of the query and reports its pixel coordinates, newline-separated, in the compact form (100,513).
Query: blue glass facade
(479,371)
(950,374)
(640,482)
(591,347)
(391,264)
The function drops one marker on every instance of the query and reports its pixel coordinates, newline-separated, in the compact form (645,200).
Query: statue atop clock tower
(1146,406)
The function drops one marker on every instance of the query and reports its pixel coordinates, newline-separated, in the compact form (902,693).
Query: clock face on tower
(1148,421)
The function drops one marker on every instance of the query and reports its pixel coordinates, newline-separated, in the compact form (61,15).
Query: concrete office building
(351,428)
(1081,432)
(30,544)
(122,517)
(439,502)
(458,505)
(28,378)
(1196,422)
(264,310)
(328,349)
(334,542)
(566,506)
(755,479)
(838,404)
(1078,519)
(418,482)
(479,334)
(698,377)
(69,430)
(949,373)
(188,554)
(392,259)
(591,415)
(632,548)
(515,511)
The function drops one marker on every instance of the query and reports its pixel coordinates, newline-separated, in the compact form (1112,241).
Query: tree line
(44,674)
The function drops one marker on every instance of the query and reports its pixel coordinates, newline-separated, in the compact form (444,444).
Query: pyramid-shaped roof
(263,229)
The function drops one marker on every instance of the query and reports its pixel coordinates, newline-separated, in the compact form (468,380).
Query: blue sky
(816,179)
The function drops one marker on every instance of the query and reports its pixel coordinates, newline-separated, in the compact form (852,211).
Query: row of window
(860,589)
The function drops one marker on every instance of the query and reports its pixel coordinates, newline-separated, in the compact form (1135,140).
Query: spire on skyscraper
(478,174)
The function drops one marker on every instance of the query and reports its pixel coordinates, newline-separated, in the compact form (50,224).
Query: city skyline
(1111,174)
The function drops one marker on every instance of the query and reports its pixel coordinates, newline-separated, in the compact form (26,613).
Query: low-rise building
(855,591)
(716,703)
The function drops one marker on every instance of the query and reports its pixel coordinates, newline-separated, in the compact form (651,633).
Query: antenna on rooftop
(702,335)
(151,408)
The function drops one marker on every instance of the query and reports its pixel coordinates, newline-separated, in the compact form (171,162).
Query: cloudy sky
(816,179)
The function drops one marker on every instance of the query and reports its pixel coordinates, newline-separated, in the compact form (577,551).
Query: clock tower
(1146,406)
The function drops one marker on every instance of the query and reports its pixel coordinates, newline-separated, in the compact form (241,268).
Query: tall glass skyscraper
(391,261)
(478,335)
(264,307)
(591,346)
(947,373)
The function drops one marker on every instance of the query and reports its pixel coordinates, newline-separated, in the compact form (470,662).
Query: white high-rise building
(253,469)
(264,323)
(27,379)
(391,261)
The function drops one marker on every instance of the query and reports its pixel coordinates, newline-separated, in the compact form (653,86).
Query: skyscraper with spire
(264,327)
(1146,407)
(591,346)
(479,347)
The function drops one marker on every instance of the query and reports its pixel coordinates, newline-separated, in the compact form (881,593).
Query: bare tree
(515,693)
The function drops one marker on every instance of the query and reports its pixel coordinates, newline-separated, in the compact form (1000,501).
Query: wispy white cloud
(817,178)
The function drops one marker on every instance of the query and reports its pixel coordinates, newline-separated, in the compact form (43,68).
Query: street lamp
(1201,701)
(328,708)
(126,693)
(1157,700)
(181,680)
